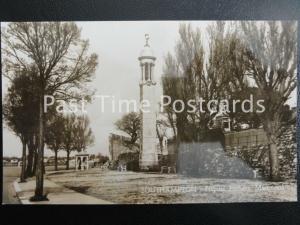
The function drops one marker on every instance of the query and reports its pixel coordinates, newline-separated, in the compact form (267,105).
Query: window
(146,71)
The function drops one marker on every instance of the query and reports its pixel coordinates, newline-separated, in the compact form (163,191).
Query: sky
(118,45)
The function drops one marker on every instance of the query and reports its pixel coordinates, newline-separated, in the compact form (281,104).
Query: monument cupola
(147,63)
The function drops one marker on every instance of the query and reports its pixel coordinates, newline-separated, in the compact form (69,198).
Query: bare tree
(68,136)
(63,63)
(83,135)
(188,76)
(54,135)
(272,62)
(181,73)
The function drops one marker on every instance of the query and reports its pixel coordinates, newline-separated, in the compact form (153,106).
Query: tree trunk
(176,153)
(270,127)
(160,139)
(23,170)
(55,160)
(34,161)
(68,158)
(29,170)
(39,189)
(29,163)
(274,162)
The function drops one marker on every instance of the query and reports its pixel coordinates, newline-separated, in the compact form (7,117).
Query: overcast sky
(118,45)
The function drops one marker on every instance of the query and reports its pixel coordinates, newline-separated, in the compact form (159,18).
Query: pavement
(55,193)
(10,174)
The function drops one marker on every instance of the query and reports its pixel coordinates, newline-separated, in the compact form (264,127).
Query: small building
(82,161)
(223,122)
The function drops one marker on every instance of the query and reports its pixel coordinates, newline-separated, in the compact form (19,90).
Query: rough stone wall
(257,156)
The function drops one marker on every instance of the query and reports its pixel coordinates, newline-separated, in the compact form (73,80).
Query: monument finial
(147,39)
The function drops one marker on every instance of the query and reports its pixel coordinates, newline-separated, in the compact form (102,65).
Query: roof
(147,52)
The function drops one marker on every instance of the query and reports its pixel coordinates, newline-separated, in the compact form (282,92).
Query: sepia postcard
(149,112)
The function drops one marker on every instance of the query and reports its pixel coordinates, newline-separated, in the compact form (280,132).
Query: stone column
(87,162)
(149,158)
(75,162)
(143,75)
(152,71)
(81,166)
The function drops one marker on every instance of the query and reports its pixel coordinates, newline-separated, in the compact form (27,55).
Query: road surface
(155,188)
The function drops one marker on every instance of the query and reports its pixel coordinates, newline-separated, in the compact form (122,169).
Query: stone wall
(257,155)
(245,155)
(245,138)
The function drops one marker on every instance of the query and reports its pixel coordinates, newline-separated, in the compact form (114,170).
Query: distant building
(14,161)
(222,121)
(117,146)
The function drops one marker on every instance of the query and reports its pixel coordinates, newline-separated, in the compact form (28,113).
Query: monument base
(152,168)
(149,162)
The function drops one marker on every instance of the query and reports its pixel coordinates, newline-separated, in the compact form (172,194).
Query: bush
(130,159)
